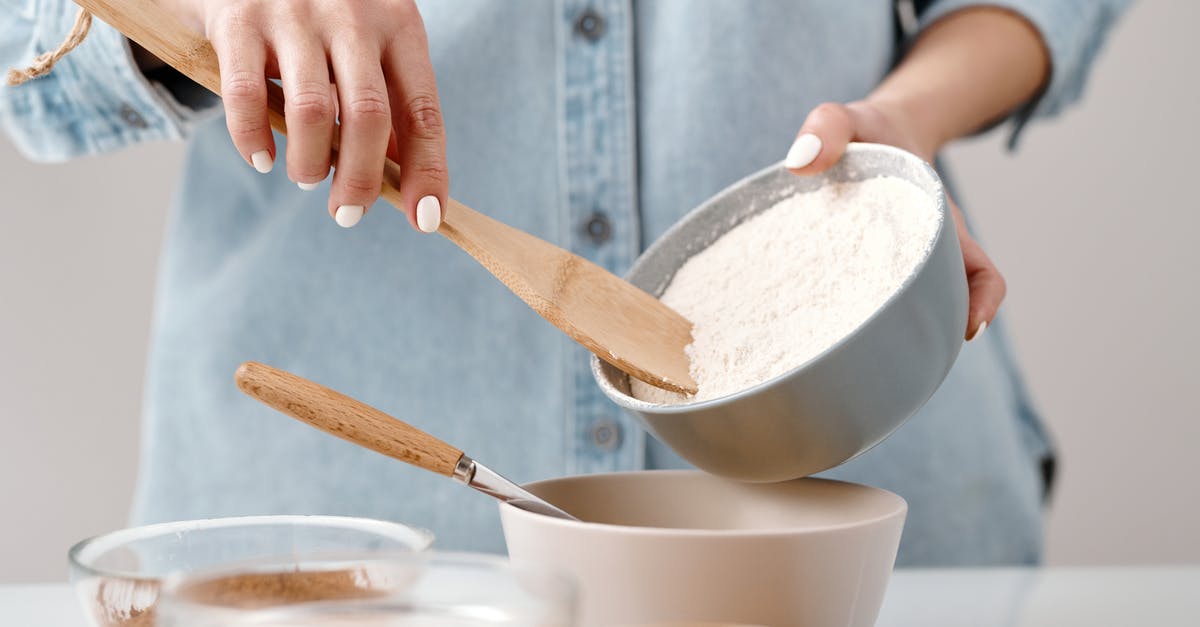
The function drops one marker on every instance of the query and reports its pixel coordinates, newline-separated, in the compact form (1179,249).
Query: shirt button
(606,434)
(132,117)
(598,228)
(590,25)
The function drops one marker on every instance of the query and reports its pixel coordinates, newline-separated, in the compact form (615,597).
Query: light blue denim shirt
(595,134)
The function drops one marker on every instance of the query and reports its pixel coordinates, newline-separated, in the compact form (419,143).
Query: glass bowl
(117,576)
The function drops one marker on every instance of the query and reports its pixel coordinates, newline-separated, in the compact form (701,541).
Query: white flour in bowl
(785,285)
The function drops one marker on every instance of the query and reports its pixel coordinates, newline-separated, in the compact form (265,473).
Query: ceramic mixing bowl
(843,401)
(117,576)
(685,547)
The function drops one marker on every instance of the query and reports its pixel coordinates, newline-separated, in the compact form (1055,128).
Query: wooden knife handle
(349,419)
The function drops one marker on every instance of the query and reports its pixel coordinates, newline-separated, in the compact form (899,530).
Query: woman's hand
(364,64)
(823,139)
(970,67)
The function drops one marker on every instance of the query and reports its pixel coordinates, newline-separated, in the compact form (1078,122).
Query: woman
(591,124)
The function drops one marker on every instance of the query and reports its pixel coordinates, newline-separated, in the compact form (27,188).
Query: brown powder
(270,589)
(116,600)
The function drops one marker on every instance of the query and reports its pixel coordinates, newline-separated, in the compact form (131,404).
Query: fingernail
(978,331)
(262,161)
(348,215)
(803,151)
(429,214)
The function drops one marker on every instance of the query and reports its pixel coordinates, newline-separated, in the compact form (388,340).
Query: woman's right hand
(364,64)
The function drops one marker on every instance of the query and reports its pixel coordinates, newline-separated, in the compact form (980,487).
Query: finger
(365,128)
(393,149)
(242,56)
(822,139)
(308,107)
(420,136)
(985,285)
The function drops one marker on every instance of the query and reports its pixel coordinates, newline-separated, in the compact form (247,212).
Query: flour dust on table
(788,283)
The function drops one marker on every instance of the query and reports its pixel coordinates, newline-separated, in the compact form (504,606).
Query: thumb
(822,139)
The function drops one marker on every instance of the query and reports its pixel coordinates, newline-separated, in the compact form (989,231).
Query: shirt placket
(598,157)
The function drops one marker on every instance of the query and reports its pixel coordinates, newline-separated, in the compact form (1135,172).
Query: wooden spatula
(355,421)
(620,323)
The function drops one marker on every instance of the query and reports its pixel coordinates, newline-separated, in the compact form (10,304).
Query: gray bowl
(841,402)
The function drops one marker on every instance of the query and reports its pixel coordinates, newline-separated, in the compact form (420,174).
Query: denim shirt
(594,124)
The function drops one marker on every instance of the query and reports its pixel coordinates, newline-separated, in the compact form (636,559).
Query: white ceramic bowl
(671,546)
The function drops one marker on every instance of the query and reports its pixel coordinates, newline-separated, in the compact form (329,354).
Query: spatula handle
(163,35)
(349,419)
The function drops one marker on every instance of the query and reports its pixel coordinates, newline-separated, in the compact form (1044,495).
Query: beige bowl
(670,547)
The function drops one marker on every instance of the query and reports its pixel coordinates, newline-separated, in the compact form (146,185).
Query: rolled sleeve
(95,100)
(1073,32)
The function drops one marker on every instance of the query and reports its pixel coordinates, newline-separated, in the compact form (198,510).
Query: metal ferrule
(464,470)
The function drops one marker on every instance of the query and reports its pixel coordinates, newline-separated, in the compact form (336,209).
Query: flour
(785,285)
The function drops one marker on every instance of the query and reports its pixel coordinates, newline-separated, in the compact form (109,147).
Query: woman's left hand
(823,139)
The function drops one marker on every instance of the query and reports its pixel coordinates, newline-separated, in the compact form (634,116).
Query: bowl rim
(898,509)
(628,401)
(81,552)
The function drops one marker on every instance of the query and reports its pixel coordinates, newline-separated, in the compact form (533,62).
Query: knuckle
(231,14)
(243,87)
(404,10)
(302,174)
(828,112)
(246,125)
(304,168)
(235,16)
(369,104)
(292,13)
(361,186)
(424,117)
(432,172)
(310,108)
(247,131)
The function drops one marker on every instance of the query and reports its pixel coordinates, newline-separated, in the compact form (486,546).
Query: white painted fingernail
(429,214)
(979,331)
(308,187)
(348,215)
(803,151)
(262,161)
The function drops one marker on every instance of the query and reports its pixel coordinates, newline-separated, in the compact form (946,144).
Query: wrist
(966,70)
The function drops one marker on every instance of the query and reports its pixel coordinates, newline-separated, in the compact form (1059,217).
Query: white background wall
(1094,223)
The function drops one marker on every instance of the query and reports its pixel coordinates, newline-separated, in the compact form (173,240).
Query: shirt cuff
(95,99)
(1073,32)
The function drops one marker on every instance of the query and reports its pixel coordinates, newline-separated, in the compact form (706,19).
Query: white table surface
(1059,597)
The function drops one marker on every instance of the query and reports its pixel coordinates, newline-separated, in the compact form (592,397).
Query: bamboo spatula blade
(615,320)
